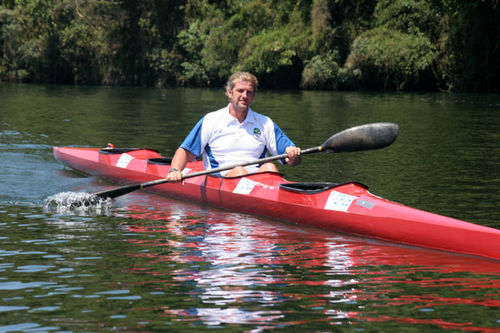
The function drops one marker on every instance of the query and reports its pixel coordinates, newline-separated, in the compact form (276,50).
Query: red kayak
(348,208)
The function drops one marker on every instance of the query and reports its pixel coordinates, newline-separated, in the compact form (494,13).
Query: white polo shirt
(223,140)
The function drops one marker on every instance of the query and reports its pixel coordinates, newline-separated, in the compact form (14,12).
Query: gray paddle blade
(364,137)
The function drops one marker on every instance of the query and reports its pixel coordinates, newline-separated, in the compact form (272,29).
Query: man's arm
(179,161)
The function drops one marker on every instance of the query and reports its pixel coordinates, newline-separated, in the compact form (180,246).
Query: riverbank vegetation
(450,45)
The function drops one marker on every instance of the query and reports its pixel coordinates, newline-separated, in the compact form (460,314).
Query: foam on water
(80,203)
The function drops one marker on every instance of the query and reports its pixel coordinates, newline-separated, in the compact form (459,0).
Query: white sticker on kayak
(245,186)
(339,201)
(124,160)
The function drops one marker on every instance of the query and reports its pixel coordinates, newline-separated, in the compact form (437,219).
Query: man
(235,134)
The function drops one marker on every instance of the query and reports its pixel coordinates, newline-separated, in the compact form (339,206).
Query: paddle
(364,137)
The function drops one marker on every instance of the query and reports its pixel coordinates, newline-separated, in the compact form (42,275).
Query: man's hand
(181,157)
(174,175)
(293,155)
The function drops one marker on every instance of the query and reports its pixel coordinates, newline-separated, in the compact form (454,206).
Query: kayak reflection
(244,269)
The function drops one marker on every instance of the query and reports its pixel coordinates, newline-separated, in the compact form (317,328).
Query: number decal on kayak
(124,160)
(339,201)
(245,186)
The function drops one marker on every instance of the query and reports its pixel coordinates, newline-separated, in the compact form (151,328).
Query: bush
(266,52)
(226,37)
(409,16)
(191,41)
(321,72)
(274,49)
(391,59)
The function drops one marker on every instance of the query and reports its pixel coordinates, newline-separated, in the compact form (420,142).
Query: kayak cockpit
(311,188)
(160,160)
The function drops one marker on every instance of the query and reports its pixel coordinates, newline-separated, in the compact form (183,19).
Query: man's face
(242,95)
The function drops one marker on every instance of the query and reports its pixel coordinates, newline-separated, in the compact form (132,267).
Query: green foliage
(400,51)
(273,50)
(227,38)
(347,20)
(318,44)
(321,30)
(165,66)
(191,41)
(81,47)
(391,59)
(266,53)
(321,72)
(409,16)
(458,7)
(26,35)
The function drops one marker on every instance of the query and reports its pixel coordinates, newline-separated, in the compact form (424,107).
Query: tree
(398,52)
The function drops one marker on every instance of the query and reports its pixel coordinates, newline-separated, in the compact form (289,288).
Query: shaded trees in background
(400,50)
(319,44)
(473,45)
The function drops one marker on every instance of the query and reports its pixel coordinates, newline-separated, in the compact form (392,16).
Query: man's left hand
(293,155)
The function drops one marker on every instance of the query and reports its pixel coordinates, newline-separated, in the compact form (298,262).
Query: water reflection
(159,264)
(248,270)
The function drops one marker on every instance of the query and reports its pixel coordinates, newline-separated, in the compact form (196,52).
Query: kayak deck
(349,208)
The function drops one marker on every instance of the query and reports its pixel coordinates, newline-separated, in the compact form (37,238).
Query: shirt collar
(249,119)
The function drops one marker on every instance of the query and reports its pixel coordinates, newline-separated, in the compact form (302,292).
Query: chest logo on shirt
(256,131)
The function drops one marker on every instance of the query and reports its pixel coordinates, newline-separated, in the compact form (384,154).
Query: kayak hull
(348,208)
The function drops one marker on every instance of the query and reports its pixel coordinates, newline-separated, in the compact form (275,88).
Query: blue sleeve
(282,141)
(192,143)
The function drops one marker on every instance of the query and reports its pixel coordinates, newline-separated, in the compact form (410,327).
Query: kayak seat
(308,187)
(160,160)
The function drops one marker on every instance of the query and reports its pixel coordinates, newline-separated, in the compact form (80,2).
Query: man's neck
(239,114)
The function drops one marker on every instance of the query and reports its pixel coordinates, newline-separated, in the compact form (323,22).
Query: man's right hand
(174,176)
(181,157)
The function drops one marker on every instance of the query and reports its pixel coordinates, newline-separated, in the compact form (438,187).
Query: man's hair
(242,76)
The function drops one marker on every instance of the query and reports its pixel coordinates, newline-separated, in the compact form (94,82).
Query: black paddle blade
(111,194)
(364,137)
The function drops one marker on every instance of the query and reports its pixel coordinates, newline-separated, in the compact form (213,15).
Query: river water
(153,264)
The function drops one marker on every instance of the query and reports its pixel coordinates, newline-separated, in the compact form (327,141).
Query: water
(78,203)
(147,263)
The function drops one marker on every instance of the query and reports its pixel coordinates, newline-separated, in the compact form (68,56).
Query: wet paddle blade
(111,194)
(364,137)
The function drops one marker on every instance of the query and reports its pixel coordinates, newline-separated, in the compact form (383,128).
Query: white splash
(79,203)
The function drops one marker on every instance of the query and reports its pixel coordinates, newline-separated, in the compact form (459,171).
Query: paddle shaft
(127,189)
(363,137)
